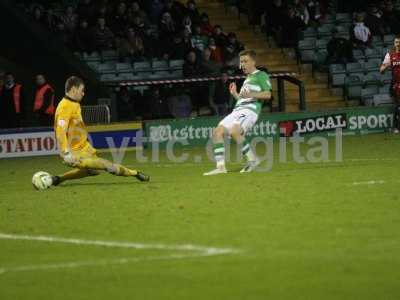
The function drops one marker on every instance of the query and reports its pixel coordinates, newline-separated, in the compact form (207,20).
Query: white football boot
(250,166)
(218,170)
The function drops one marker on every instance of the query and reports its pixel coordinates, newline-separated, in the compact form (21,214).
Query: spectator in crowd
(176,48)
(38,15)
(351,6)
(86,10)
(206,28)
(70,20)
(274,17)
(209,67)
(43,106)
(167,28)
(130,47)
(103,37)
(191,66)
(125,105)
(83,38)
(187,24)
(231,50)
(180,104)
(187,40)
(221,97)
(62,33)
(198,91)
(301,11)
(52,20)
(374,21)
(216,52)
(140,26)
(391,18)
(193,12)
(290,27)
(199,41)
(119,19)
(141,105)
(156,9)
(150,41)
(12,103)
(361,34)
(315,11)
(176,10)
(255,10)
(340,50)
(102,12)
(135,10)
(158,103)
(89,25)
(219,36)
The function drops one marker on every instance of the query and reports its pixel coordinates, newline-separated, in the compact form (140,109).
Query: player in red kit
(392,59)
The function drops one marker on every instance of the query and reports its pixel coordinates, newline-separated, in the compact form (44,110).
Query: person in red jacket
(43,106)
(392,60)
(12,103)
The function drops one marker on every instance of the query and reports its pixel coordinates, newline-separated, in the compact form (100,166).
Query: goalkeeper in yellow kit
(72,139)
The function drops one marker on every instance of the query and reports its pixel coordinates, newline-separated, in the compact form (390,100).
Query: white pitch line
(117,244)
(371,159)
(197,251)
(97,263)
(371,182)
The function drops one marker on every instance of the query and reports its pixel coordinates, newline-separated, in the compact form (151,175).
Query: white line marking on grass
(196,251)
(371,159)
(97,263)
(371,182)
(118,244)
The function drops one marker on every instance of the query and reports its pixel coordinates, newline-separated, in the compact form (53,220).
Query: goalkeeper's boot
(55,180)
(250,166)
(218,170)
(142,177)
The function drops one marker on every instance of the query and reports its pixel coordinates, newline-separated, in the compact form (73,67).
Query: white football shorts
(246,119)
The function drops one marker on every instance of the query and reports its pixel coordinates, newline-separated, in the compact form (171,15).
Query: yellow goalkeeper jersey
(71,133)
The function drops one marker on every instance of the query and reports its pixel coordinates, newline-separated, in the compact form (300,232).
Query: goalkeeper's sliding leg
(90,166)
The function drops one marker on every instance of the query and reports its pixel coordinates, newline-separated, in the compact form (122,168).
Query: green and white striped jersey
(258,81)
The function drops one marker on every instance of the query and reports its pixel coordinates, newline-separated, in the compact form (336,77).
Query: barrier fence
(281,77)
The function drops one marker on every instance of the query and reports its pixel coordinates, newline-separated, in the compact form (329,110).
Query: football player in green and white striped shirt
(256,89)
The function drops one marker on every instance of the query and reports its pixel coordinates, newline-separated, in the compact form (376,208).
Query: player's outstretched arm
(383,67)
(264,95)
(385,63)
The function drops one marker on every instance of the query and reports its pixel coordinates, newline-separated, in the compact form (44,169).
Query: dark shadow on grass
(68,184)
(151,184)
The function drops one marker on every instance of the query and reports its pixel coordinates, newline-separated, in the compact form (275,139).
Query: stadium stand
(121,41)
(359,79)
(137,27)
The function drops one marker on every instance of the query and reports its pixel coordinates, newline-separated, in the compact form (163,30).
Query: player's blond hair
(249,52)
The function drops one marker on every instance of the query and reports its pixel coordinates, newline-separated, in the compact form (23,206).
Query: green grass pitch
(302,231)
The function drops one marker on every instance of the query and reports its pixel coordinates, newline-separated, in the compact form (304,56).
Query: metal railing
(96,114)
(281,77)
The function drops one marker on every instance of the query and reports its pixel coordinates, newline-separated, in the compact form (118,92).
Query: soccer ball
(41,180)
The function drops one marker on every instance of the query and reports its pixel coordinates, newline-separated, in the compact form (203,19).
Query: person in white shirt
(362,34)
